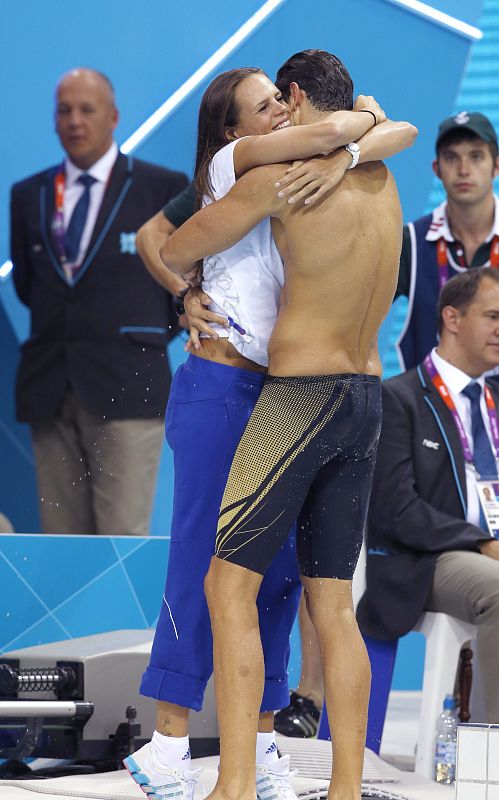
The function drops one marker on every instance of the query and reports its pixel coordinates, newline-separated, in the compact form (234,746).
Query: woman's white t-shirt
(244,281)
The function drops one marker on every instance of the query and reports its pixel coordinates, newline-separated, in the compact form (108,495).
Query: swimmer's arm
(303,141)
(385,140)
(220,225)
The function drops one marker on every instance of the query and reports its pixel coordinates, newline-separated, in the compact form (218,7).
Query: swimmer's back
(341,260)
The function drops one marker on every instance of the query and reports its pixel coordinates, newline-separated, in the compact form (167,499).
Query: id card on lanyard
(488,495)
(488,490)
(443,260)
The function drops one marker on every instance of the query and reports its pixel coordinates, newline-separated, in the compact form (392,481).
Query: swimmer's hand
(196,304)
(366,102)
(312,179)
(194,277)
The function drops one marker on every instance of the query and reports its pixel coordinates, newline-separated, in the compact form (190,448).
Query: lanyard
(446,397)
(57,224)
(443,259)
(58,215)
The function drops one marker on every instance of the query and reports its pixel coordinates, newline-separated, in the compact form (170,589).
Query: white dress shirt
(455,381)
(73,190)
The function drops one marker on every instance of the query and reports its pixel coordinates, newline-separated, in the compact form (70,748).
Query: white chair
(444,636)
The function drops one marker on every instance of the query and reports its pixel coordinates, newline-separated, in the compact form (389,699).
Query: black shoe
(300,718)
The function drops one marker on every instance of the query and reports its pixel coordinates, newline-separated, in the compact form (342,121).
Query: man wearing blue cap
(462,232)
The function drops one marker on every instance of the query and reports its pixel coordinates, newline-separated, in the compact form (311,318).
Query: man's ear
(296,96)
(115,117)
(450,318)
(436,168)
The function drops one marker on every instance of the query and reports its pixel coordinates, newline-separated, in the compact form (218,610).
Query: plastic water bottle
(445,743)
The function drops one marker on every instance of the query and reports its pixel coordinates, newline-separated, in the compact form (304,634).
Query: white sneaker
(273,780)
(158,782)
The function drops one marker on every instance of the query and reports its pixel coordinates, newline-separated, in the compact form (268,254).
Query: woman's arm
(303,141)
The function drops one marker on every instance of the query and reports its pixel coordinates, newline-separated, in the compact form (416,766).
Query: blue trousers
(207,412)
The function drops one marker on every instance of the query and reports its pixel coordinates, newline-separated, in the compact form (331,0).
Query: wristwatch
(354,150)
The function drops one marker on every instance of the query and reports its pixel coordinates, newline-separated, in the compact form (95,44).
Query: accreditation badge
(488,494)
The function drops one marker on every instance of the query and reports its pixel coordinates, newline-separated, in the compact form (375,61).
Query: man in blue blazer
(429,547)
(93,378)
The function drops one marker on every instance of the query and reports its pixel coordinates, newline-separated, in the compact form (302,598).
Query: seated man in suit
(429,546)
(93,379)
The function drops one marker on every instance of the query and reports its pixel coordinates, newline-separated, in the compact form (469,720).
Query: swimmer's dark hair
(461,290)
(322,76)
(218,113)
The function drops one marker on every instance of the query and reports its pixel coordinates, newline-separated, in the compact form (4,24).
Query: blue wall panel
(60,587)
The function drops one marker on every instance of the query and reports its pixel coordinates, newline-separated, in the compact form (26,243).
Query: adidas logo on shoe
(187,755)
(271,749)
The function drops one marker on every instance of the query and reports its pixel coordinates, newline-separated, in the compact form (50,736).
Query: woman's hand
(196,304)
(310,180)
(366,102)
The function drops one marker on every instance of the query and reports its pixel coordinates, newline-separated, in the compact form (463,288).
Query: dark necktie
(74,231)
(483,456)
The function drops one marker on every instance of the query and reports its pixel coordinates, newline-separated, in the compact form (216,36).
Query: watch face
(354,147)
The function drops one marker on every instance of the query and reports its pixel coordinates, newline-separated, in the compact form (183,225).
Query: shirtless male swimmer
(308,450)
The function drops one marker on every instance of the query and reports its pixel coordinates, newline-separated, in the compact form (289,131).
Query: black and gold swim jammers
(307,454)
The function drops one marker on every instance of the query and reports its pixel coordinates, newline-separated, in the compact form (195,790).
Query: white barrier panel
(477,765)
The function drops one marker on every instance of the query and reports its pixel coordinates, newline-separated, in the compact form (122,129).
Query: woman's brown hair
(218,113)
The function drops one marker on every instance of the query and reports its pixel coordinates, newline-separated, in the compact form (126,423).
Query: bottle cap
(449,703)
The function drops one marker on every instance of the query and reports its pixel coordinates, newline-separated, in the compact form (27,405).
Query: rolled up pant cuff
(172,687)
(188,692)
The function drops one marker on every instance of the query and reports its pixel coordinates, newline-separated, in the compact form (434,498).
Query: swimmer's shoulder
(371,168)
(376,174)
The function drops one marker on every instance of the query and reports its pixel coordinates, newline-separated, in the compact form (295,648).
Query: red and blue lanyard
(57,225)
(58,215)
(449,402)
(443,259)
